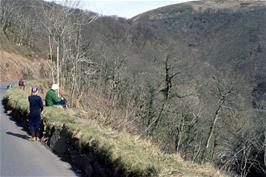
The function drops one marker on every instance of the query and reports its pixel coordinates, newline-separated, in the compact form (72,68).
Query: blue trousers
(62,102)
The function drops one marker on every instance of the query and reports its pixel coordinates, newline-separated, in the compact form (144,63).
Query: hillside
(223,41)
(226,36)
(18,62)
(189,76)
(215,47)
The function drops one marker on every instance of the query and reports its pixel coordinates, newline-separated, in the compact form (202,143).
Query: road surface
(21,157)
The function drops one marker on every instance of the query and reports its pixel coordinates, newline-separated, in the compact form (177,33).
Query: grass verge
(136,154)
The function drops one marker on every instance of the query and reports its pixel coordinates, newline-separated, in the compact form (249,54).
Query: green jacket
(51,98)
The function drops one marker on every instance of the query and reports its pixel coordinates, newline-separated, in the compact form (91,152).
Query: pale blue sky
(123,8)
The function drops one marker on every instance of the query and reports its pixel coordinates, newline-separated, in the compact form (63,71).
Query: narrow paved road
(21,157)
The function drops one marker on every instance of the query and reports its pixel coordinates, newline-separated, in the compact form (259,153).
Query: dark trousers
(34,122)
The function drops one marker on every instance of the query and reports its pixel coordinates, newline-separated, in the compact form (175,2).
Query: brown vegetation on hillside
(15,67)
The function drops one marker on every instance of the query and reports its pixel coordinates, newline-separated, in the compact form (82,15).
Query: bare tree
(64,26)
(57,22)
(222,90)
(264,148)
(7,14)
(169,76)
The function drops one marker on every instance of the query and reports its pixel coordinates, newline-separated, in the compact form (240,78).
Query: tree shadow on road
(18,135)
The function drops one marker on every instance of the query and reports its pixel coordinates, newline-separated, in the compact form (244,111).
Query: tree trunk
(51,57)
(216,116)
(265,147)
(57,67)
(180,134)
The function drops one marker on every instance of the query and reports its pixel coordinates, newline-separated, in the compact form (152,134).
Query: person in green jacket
(52,98)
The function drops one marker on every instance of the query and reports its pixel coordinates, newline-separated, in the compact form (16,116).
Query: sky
(123,8)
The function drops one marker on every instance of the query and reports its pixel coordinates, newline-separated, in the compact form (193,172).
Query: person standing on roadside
(36,107)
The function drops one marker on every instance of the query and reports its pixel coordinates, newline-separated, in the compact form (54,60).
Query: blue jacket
(36,104)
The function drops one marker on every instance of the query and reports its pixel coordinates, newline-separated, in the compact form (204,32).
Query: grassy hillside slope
(18,62)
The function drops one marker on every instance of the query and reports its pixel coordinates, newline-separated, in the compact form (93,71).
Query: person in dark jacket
(52,98)
(21,84)
(36,107)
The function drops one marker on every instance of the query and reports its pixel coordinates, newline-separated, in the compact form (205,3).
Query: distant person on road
(21,84)
(52,99)
(36,107)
